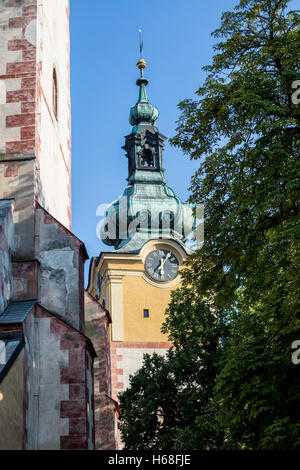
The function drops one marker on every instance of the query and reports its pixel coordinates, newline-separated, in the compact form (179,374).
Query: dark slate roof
(9,351)
(5,205)
(16,312)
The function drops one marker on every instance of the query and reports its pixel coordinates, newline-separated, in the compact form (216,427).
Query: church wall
(25,281)
(17,76)
(28,385)
(17,182)
(45,391)
(90,401)
(97,328)
(79,405)
(136,327)
(11,407)
(17,116)
(6,248)
(34,39)
(127,291)
(54,144)
(128,294)
(58,385)
(61,269)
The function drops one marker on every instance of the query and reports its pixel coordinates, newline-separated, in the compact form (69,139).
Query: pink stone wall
(106,410)
(18,76)
(25,281)
(34,40)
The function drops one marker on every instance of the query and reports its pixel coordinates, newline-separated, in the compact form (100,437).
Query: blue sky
(104,51)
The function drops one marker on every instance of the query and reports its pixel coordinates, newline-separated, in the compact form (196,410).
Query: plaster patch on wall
(30,32)
(6,13)
(12,84)
(9,134)
(2,92)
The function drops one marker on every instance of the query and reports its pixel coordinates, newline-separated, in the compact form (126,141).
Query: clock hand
(161,268)
(164,261)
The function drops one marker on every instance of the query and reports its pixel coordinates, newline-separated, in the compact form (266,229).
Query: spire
(147,202)
(143,112)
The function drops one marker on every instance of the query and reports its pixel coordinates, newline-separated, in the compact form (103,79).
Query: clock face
(162,265)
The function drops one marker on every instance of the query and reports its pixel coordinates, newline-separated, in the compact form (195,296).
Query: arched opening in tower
(147,158)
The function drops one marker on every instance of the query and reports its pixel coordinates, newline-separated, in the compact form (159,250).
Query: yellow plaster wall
(137,295)
(11,407)
(141,295)
(138,266)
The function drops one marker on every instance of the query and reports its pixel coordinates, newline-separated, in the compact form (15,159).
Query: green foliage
(242,287)
(258,387)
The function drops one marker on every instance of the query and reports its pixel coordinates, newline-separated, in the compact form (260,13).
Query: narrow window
(55,94)
(147,158)
(99,282)
(146,313)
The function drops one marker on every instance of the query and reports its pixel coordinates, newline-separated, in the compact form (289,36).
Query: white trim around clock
(162,285)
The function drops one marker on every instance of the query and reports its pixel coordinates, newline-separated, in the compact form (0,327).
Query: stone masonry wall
(97,328)
(17,75)
(34,41)
(17,182)
(25,281)
(61,256)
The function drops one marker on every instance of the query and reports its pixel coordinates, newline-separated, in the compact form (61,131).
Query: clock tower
(148,228)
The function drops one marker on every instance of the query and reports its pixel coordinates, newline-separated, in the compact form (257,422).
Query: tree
(243,127)
(258,387)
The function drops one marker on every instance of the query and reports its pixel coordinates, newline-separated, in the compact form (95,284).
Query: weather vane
(141,63)
(141,43)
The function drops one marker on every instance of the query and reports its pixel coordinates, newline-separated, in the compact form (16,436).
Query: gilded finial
(141,65)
